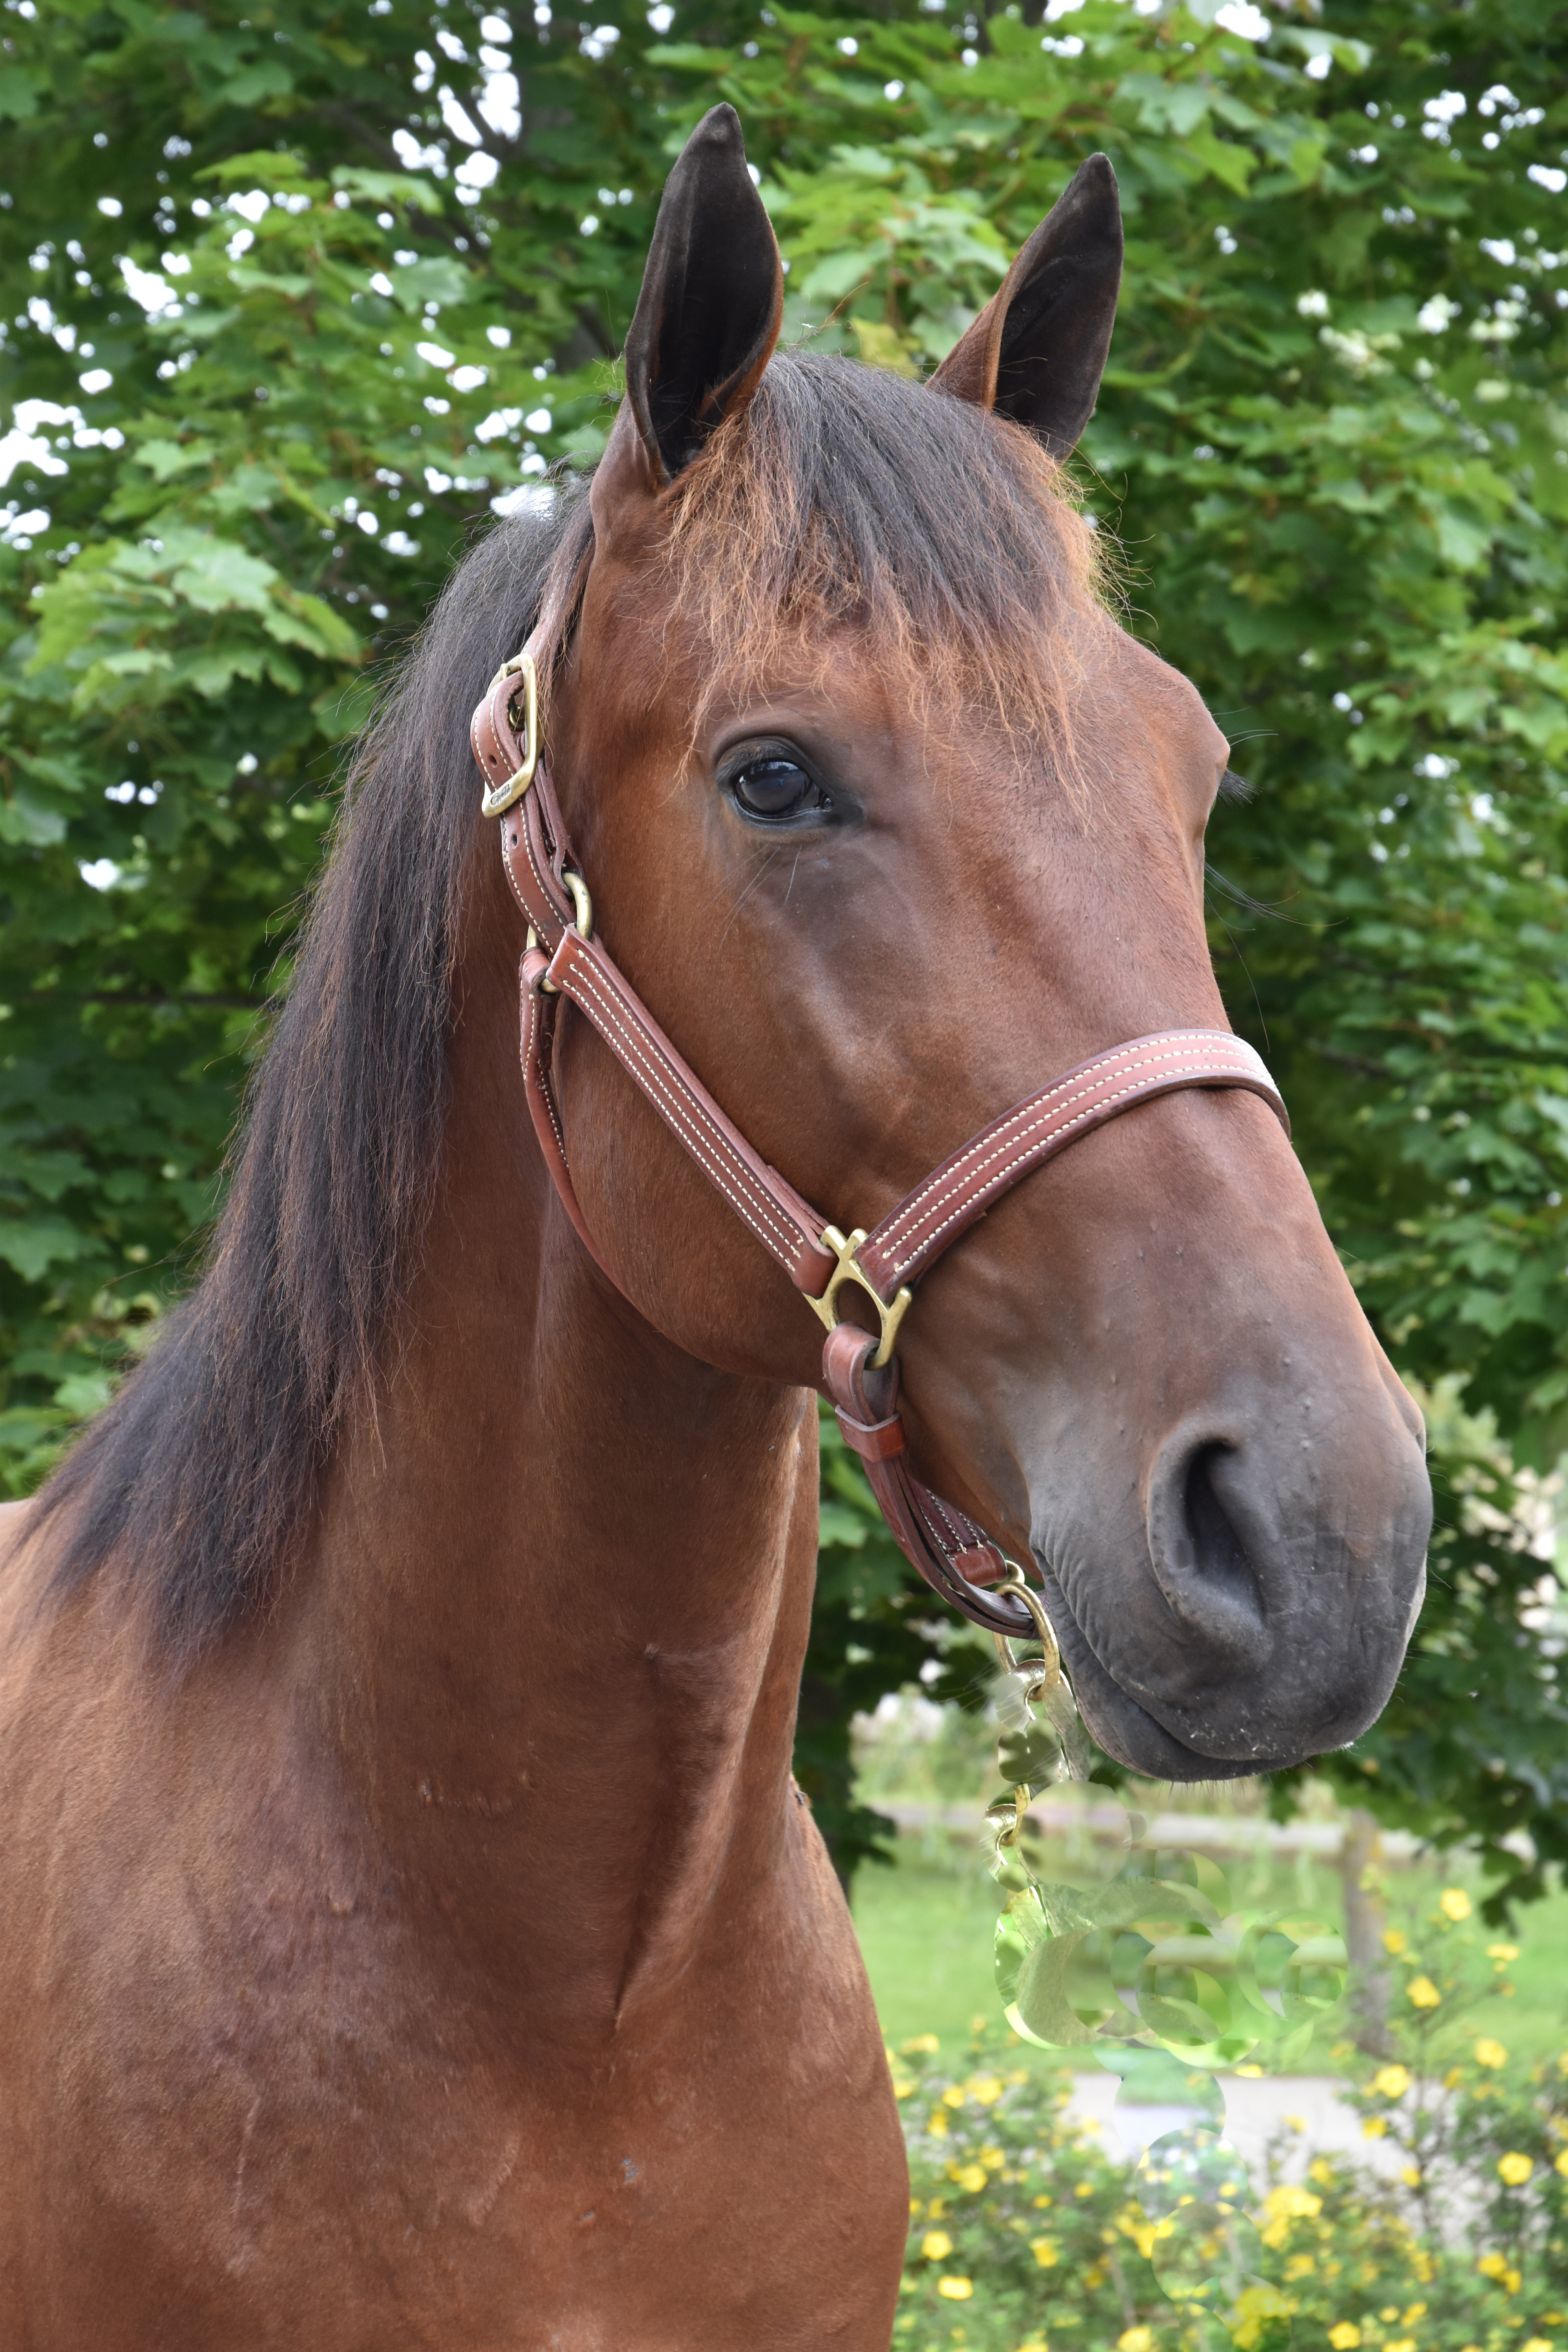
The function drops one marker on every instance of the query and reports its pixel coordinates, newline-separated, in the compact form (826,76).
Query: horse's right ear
(711,301)
(1038,349)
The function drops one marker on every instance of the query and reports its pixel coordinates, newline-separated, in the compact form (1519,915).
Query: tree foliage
(292,300)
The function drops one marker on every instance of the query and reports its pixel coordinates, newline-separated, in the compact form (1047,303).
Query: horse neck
(561,1595)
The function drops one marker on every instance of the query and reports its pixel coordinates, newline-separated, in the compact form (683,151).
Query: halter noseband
(859,1371)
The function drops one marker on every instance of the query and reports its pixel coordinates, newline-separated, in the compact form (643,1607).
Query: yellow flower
(937,2208)
(1392,2081)
(1255,2307)
(1044,2253)
(1492,2266)
(1391,2312)
(902,2087)
(1562,2163)
(1375,2127)
(1321,2172)
(1489,2053)
(1410,2175)
(1403,2344)
(1416,2311)
(938,2124)
(953,2095)
(927,2042)
(986,2089)
(957,2290)
(1530,2343)
(1292,2204)
(1393,1940)
(993,2158)
(936,2245)
(970,2177)
(1502,1953)
(1135,2339)
(1454,1904)
(1515,2169)
(1250,2072)
(1421,1993)
(1042,2203)
(1345,2336)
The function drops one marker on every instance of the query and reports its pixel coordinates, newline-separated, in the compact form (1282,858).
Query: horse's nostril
(1218,1578)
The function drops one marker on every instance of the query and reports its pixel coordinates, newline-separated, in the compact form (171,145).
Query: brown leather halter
(562,959)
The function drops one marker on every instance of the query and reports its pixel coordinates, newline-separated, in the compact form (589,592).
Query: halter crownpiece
(859,1371)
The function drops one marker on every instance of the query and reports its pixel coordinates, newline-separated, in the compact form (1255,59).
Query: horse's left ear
(1038,349)
(711,301)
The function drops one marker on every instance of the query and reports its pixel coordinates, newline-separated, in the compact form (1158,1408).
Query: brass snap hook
(1049,1667)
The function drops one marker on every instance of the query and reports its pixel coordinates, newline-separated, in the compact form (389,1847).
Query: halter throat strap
(563,962)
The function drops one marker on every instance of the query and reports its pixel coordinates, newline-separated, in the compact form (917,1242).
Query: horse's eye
(777,788)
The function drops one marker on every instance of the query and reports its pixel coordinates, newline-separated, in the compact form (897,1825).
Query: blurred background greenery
(295,299)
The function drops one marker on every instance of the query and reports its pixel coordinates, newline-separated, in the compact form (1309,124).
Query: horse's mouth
(1125,1729)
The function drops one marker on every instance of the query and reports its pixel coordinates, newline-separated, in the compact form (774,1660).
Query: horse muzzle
(1259,1613)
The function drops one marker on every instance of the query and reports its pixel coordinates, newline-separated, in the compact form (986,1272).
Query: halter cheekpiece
(859,1371)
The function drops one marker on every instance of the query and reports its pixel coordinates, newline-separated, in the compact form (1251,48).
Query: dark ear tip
(1095,182)
(720,127)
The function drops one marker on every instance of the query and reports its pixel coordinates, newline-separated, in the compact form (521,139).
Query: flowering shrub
(1027,2234)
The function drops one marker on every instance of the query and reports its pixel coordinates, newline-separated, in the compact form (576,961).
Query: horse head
(891,821)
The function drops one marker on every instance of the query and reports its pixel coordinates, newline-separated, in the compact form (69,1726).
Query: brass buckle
(501,797)
(826,1308)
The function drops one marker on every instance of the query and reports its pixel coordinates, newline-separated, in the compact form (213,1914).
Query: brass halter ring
(521,666)
(825,1307)
(584,925)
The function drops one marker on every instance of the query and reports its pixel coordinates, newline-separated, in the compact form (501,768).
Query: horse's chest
(295,2132)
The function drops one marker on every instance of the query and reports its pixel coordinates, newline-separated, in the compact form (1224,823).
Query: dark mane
(203,1471)
(845,496)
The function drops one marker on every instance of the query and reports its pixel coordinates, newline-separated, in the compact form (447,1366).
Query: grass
(926,1924)
(925,1929)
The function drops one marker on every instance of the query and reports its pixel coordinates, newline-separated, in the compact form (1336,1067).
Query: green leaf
(18,95)
(1234,165)
(32,1244)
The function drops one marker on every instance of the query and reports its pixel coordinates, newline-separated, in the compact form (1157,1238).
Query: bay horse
(412,1935)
